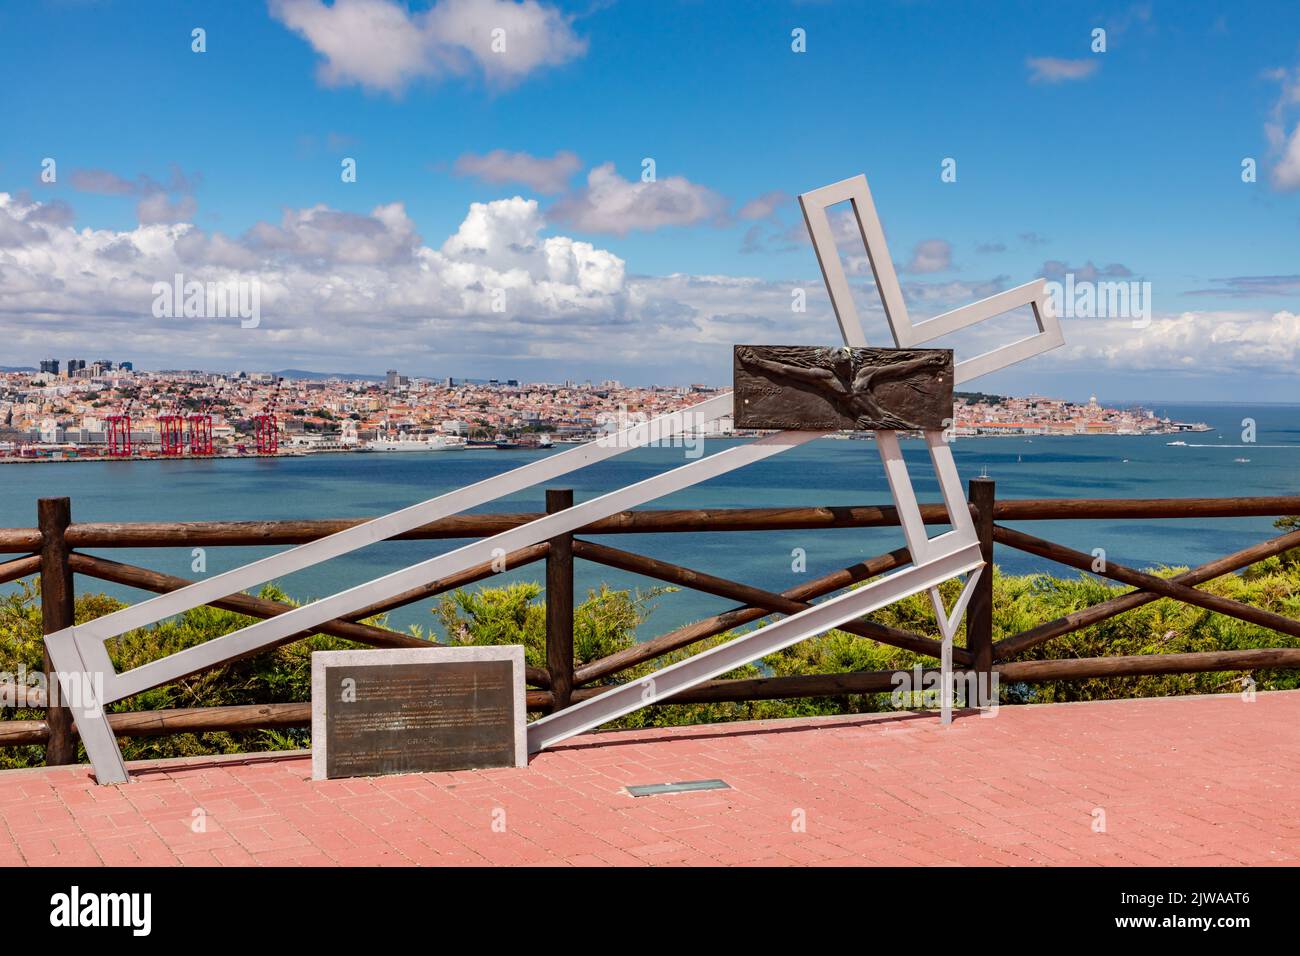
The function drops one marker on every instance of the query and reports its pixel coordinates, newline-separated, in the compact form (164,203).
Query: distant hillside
(299,373)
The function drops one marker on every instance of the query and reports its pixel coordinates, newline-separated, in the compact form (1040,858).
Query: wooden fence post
(53,515)
(559,604)
(979,613)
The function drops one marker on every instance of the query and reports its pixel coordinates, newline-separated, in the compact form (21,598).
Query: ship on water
(403,442)
(503,442)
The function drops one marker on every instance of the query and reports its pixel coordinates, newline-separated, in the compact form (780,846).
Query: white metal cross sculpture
(89,681)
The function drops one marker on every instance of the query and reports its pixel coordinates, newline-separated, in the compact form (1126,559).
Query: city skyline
(417,197)
(95,412)
(292,375)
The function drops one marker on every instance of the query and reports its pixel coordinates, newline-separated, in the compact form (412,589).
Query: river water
(826,472)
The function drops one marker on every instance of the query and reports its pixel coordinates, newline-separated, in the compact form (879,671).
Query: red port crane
(119,432)
(201,430)
(266,425)
(171,431)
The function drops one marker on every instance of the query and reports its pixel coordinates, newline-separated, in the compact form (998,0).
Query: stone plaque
(813,388)
(417,710)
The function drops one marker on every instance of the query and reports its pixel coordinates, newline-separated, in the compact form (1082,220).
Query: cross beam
(90,681)
(818,619)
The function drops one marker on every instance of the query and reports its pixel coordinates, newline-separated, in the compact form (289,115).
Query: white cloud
(157,207)
(1285,172)
(155,202)
(382,46)
(1051,69)
(764,206)
(1229,343)
(1088,272)
(327,235)
(336,286)
(108,183)
(534,35)
(931,255)
(612,204)
(360,291)
(101,181)
(546,176)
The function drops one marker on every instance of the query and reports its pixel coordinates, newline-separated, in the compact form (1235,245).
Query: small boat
(533,441)
(1178,443)
(1243,460)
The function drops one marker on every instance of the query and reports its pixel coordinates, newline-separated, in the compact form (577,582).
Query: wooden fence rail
(645,521)
(54,550)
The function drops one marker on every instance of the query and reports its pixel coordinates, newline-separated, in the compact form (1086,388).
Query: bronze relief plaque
(816,388)
(416,716)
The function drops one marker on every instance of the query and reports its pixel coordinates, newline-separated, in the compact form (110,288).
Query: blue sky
(1126,161)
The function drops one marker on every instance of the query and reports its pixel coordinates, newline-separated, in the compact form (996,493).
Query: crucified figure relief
(851,390)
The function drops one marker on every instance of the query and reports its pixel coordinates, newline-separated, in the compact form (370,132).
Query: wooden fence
(55,549)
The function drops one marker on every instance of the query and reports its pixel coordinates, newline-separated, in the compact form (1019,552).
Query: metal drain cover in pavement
(654,789)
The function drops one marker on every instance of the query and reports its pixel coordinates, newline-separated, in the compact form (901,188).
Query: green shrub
(610,620)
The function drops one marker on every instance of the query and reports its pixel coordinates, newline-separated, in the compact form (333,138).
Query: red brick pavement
(1175,781)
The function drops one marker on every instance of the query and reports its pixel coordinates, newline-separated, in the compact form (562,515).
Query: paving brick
(1182,781)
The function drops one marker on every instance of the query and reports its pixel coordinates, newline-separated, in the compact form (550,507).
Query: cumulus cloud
(931,255)
(101,181)
(1206,342)
(155,198)
(753,241)
(1138,15)
(360,291)
(1243,287)
(844,229)
(327,235)
(1051,69)
(1056,269)
(382,46)
(17,232)
(546,176)
(931,298)
(1285,172)
(612,204)
(107,183)
(335,284)
(157,207)
(56,212)
(764,206)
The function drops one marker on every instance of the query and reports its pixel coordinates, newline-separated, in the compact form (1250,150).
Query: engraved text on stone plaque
(414,716)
